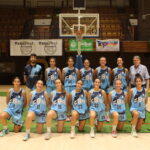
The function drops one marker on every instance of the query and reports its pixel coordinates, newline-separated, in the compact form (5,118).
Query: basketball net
(79,37)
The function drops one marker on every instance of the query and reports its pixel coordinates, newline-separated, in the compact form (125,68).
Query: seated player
(78,102)
(97,101)
(86,74)
(138,98)
(37,102)
(58,108)
(117,99)
(16,100)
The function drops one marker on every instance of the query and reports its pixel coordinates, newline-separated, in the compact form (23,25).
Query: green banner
(86,45)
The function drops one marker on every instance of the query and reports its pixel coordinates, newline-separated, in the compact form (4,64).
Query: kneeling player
(138,98)
(58,100)
(78,99)
(16,100)
(37,109)
(117,99)
(97,102)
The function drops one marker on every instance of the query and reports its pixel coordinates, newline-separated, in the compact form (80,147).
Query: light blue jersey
(118,104)
(58,102)
(138,101)
(70,79)
(15,106)
(97,101)
(79,101)
(38,105)
(120,73)
(104,76)
(87,78)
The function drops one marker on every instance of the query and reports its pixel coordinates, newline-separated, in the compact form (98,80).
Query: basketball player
(51,74)
(37,102)
(58,108)
(117,99)
(97,101)
(138,98)
(120,73)
(104,74)
(86,75)
(78,102)
(16,100)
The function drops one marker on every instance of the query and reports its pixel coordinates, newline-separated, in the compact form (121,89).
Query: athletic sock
(5,127)
(107,113)
(28,131)
(133,127)
(92,127)
(48,129)
(114,128)
(72,128)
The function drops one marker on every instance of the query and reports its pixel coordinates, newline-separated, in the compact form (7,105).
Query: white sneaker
(72,136)
(47,136)
(114,134)
(92,133)
(133,133)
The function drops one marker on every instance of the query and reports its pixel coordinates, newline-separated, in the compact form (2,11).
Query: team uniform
(87,78)
(97,104)
(52,75)
(120,73)
(138,102)
(70,79)
(15,106)
(79,104)
(38,106)
(118,104)
(104,76)
(59,105)
(32,73)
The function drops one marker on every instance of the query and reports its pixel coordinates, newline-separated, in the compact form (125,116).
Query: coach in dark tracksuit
(32,73)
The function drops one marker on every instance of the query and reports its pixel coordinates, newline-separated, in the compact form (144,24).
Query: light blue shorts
(16,117)
(122,116)
(141,112)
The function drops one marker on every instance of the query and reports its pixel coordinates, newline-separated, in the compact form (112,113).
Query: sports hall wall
(143,34)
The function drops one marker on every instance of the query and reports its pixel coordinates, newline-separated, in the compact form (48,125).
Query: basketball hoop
(79,37)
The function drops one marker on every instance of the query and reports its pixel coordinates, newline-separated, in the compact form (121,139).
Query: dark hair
(120,58)
(117,79)
(87,60)
(16,78)
(97,79)
(62,89)
(70,57)
(52,58)
(138,76)
(33,54)
(102,57)
(39,80)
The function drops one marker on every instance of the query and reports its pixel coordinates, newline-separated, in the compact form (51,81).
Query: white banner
(107,45)
(52,47)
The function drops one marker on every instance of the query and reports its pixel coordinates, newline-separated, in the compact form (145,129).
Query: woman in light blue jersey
(138,98)
(16,100)
(58,108)
(78,103)
(37,102)
(96,101)
(117,99)
(104,74)
(120,73)
(51,74)
(86,75)
(70,75)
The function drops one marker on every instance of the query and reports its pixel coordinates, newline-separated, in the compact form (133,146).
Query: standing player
(38,99)
(138,98)
(117,99)
(104,74)
(58,108)
(120,73)
(70,75)
(86,74)
(97,101)
(51,74)
(32,73)
(16,100)
(78,100)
